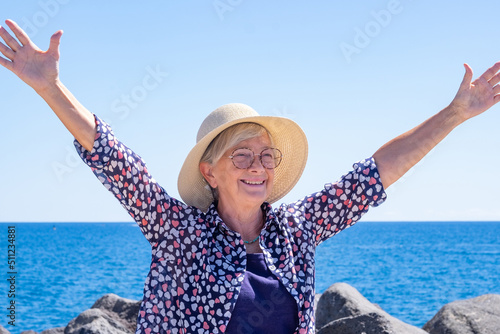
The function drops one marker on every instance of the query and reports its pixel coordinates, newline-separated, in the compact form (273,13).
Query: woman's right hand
(39,69)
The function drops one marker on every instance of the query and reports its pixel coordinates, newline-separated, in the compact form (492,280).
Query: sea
(410,269)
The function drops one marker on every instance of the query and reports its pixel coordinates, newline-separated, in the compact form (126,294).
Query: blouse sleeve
(341,204)
(126,176)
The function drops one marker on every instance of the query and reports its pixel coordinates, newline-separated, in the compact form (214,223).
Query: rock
(343,310)
(371,323)
(109,315)
(29,332)
(316,300)
(57,330)
(125,309)
(95,321)
(3,330)
(480,315)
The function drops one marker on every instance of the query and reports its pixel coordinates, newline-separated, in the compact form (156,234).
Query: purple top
(264,305)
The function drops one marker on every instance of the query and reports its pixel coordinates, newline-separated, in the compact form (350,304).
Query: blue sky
(353,75)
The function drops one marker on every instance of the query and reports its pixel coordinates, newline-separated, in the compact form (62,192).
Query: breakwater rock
(110,314)
(470,316)
(341,309)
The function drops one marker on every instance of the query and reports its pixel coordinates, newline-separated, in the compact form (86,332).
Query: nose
(256,164)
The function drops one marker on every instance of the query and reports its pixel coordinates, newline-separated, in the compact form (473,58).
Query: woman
(224,261)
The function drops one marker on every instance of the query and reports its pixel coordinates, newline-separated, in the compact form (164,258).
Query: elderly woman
(223,260)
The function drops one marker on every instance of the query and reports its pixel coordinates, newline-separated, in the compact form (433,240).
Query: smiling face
(241,187)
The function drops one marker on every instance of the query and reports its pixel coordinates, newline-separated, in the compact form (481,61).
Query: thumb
(466,81)
(54,44)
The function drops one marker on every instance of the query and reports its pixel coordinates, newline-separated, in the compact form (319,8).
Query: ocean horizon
(411,269)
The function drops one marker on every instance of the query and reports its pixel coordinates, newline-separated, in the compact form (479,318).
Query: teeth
(250,182)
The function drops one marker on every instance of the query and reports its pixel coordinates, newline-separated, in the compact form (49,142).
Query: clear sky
(352,74)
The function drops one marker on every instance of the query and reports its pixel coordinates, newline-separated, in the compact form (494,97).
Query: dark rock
(343,310)
(316,300)
(371,323)
(57,330)
(3,330)
(125,309)
(109,315)
(95,321)
(480,315)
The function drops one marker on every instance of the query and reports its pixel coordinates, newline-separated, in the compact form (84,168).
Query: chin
(258,200)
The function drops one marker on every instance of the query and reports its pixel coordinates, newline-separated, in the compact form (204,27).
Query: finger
(5,63)
(496,79)
(20,34)
(467,77)
(7,52)
(496,99)
(9,40)
(55,40)
(491,71)
(496,90)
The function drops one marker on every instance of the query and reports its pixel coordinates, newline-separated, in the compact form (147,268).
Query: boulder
(109,315)
(343,310)
(480,315)
(57,330)
(316,300)
(3,330)
(125,309)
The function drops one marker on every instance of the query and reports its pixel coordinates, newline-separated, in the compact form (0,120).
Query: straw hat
(286,134)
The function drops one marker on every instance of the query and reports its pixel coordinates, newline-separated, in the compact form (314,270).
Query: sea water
(410,269)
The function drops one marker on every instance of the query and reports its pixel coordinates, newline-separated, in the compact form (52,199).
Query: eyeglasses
(243,158)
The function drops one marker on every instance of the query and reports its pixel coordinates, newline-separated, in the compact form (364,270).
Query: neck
(247,222)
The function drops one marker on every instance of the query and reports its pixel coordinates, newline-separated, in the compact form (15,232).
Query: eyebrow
(248,148)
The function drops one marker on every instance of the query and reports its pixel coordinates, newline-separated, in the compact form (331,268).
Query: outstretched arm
(39,69)
(396,157)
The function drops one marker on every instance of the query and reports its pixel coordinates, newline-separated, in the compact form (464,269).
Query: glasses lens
(242,158)
(271,158)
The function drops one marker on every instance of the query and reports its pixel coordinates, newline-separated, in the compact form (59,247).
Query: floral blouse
(198,263)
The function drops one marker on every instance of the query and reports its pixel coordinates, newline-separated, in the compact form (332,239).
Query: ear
(206,171)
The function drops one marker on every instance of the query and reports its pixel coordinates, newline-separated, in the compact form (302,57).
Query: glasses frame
(253,157)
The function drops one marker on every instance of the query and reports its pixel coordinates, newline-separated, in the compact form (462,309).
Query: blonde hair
(228,138)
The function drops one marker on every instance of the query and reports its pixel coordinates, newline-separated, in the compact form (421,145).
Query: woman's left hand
(397,156)
(473,98)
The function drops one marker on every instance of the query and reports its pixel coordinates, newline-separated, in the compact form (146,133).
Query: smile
(253,182)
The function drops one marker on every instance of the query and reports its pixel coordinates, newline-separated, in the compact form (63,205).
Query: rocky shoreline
(341,309)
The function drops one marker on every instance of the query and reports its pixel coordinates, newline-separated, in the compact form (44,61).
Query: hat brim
(287,136)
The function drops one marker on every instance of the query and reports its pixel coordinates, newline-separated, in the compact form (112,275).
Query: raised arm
(397,156)
(39,69)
